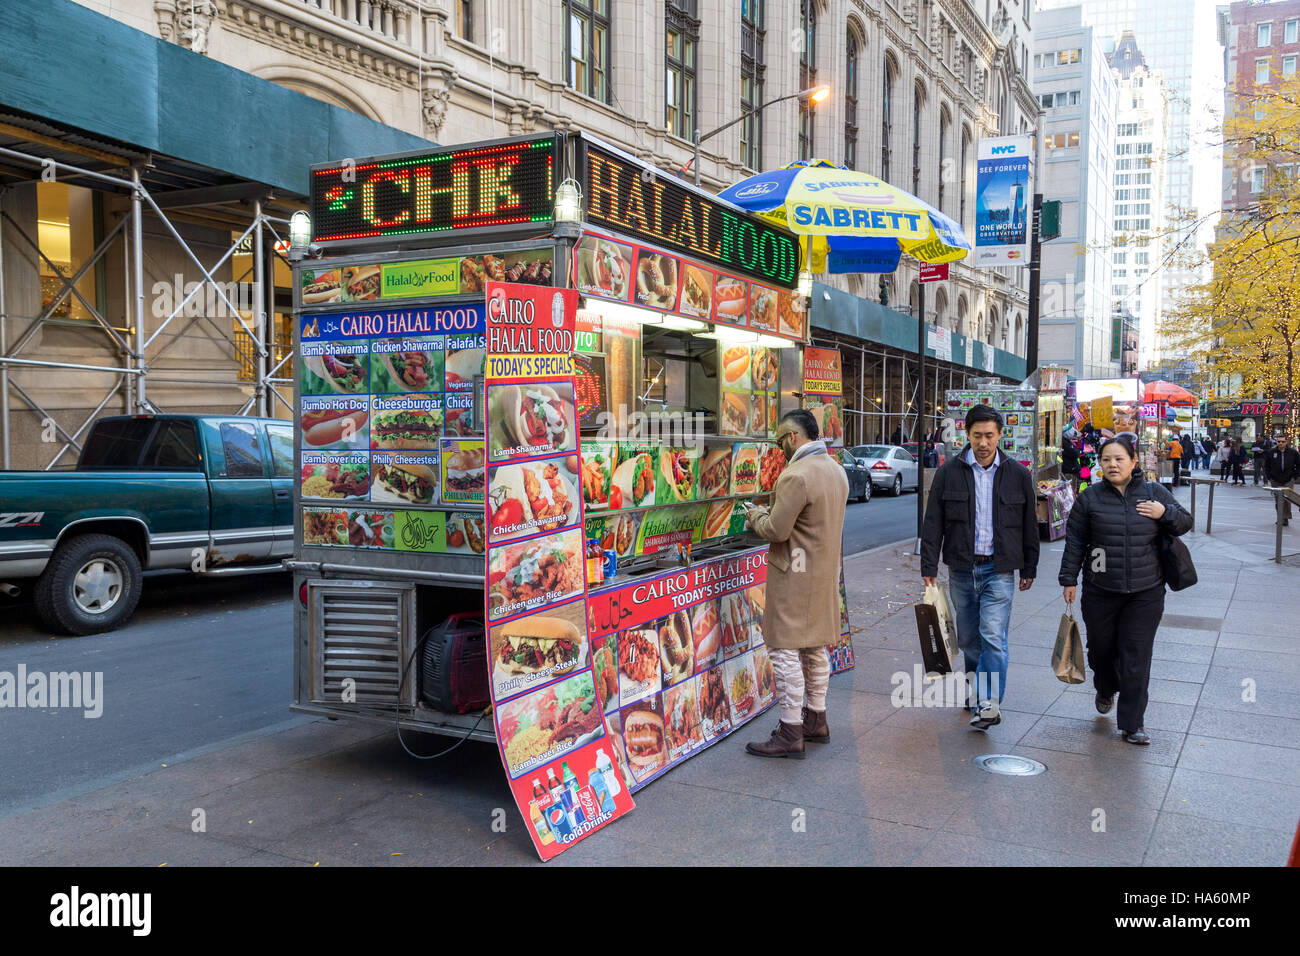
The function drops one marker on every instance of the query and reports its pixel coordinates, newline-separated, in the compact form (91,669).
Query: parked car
(891,466)
(859,476)
(210,494)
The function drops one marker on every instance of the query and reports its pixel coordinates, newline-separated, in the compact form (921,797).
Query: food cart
(525,450)
(1153,449)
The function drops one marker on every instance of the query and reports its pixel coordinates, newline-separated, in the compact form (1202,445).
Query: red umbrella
(1169,393)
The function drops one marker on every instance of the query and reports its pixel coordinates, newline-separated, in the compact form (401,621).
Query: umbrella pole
(920,413)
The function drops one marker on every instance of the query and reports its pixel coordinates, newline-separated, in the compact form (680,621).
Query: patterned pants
(801,677)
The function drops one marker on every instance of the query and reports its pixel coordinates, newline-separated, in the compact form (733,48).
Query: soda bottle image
(596,782)
(540,794)
(539,824)
(569,794)
(606,767)
(588,804)
(558,821)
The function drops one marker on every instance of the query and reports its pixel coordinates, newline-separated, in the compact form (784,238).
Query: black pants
(1259,469)
(1238,474)
(1178,468)
(1121,633)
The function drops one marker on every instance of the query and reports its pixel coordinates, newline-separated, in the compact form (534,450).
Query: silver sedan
(890,466)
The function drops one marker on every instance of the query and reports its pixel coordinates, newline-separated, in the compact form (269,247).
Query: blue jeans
(981,599)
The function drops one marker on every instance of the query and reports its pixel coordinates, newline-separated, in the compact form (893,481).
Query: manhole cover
(1009,765)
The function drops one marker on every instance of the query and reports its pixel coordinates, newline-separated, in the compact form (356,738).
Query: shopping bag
(937,628)
(1067,655)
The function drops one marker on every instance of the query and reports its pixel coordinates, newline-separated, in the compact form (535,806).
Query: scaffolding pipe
(259,317)
(4,347)
(137,288)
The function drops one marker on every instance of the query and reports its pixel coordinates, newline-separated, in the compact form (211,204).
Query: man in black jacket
(1282,468)
(983,518)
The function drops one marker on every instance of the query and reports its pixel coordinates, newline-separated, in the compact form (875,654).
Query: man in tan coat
(804,526)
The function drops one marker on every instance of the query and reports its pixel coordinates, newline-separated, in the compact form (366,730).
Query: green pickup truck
(212,494)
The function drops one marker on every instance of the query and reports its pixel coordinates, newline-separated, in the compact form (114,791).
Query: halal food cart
(526,446)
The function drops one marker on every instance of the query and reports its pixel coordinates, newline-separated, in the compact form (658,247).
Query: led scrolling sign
(491,185)
(632,200)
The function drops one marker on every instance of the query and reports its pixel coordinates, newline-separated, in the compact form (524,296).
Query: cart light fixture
(625,313)
(725,333)
(568,209)
(774,341)
(805,284)
(299,234)
(680,323)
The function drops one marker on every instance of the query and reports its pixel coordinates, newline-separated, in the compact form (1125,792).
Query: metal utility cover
(1009,765)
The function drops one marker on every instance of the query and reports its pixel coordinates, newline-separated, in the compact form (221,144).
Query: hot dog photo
(697,292)
(320,286)
(335,423)
(730,300)
(706,636)
(734,366)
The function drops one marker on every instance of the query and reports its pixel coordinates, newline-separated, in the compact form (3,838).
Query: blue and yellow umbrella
(849,221)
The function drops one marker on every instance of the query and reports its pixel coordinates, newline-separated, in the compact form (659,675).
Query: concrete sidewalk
(1219,785)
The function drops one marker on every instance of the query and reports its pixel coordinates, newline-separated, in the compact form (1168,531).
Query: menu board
(425,532)
(680,660)
(749,391)
(555,744)
(422,278)
(823,393)
(385,404)
(608,267)
(1018,408)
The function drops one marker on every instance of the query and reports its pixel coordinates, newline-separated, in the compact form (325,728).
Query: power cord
(397,715)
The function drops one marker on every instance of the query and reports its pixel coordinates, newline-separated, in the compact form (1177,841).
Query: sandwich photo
(744,477)
(402,481)
(643,735)
(332,373)
(762,307)
(462,366)
(463,468)
(675,481)
(705,635)
(717,521)
(681,720)
(405,427)
(597,469)
(619,534)
(536,418)
(758,415)
(766,362)
(735,623)
(535,644)
(536,572)
(697,292)
(361,283)
(735,413)
(676,648)
(335,427)
(639,674)
(735,366)
(419,370)
(711,700)
(604,267)
(321,286)
(770,470)
(715,473)
(324,528)
(635,481)
(531,497)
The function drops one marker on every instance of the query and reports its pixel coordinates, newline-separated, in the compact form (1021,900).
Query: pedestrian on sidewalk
(1198,453)
(982,517)
(804,526)
(1176,456)
(1207,446)
(1186,440)
(1238,459)
(1258,448)
(1113,535)
(1221,450)
(1281,469)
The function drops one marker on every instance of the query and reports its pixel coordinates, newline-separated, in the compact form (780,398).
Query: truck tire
(91,585)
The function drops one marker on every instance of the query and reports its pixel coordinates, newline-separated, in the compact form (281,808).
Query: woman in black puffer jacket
(1113,535)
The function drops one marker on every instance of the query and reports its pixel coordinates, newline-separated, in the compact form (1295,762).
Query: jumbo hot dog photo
(335,422)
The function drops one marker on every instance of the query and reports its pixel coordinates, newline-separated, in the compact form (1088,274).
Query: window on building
(66,234)
(1142,258)
(751,82)
(851,103)
(1291,31)
(886,118)
(1060,140)
(682,33)
(1257,180)
(1264,34)
(1126,129)
(945,124)
(965,149)
(588,42)
(1261,71)
(1120,258)
(1143,149)
(465,19)
(807,73)
(1288,66)
(1066,57)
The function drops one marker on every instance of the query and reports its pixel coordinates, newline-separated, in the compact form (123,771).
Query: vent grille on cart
(362,634)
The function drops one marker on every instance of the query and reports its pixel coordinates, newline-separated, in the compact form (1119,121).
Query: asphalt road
(201,662)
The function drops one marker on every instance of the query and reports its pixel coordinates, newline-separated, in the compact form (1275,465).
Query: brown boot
(814,727)
(786,741)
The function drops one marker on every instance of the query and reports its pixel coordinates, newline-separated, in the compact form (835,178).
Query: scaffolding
(240,207)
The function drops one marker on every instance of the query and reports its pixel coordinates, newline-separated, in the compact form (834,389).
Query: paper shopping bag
(936,626)
(1067,655)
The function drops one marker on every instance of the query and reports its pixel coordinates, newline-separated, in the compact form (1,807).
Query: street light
(815,94)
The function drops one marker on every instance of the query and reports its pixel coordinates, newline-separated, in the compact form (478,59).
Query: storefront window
(65,232)
(751,82)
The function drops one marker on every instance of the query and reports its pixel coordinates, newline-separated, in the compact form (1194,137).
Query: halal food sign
(634,200)
(509,183)
(530,331)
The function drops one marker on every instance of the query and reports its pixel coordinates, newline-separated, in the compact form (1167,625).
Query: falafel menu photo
(565,773)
